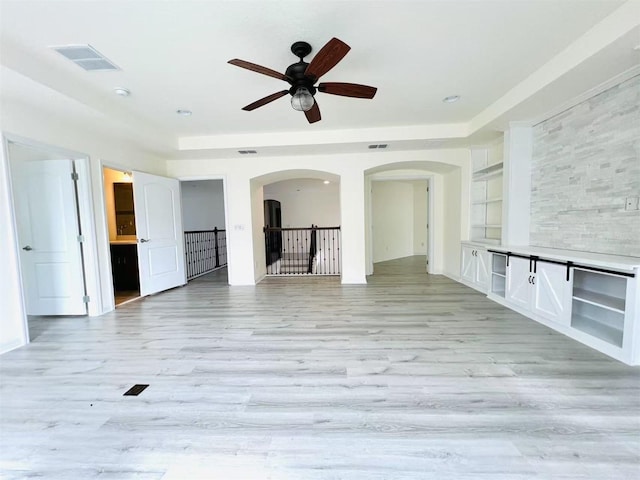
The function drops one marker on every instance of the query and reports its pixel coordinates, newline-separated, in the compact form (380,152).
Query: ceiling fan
(302,77)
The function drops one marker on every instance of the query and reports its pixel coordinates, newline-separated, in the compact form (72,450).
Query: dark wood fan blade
(265,100)
(257,68)
(348,89)
(327,58)
(313,114)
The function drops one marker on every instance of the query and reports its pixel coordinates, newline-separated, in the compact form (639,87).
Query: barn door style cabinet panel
(539,287)
(592,298)
(474,267)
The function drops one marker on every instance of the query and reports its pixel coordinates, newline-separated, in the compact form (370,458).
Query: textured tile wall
(586,161)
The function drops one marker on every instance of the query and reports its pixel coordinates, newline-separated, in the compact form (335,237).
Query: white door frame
(85,212)
(193,178)
(109,301)
(388,176)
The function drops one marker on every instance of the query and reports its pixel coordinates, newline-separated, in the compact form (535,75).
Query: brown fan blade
(257,68)
(327,58)
(348,89)
(265,100)
(313,114)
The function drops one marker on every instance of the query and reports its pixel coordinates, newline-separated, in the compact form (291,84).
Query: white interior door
(48,232)
(158,215)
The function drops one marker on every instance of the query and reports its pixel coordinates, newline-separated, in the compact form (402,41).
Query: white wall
(349,170)
(203,205)
(306,201)
(13,331)
(23,121)
(451,208)
(392,220)
(420,215)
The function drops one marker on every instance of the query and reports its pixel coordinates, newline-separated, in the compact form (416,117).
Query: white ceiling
(173,54)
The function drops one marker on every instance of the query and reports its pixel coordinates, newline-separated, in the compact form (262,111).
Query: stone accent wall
(586,161)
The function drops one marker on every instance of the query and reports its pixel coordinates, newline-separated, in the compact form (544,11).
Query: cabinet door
(551,298)
(468,264)
(483,259)
(519,288)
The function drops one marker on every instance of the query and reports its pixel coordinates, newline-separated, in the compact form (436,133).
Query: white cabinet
(539,287)
(474,267)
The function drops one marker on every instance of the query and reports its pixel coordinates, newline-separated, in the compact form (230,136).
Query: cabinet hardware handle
(529,278)
(533,280)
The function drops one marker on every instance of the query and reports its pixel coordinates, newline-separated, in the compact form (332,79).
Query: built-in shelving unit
(599,305)
(486,194)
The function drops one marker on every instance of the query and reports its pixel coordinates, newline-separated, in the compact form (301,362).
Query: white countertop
(618,262)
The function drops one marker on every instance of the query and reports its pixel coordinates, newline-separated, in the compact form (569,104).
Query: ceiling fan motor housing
(297,78)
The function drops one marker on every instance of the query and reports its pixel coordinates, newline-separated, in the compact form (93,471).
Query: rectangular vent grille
(381,145)
(134,391)
(247,152)
(86,56)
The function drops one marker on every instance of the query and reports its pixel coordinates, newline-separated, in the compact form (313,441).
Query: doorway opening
(48,187)
(123,248)
(400,222)
(204,227)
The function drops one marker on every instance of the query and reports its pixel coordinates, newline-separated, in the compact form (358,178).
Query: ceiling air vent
(382,145)
(86,57)
(247,152)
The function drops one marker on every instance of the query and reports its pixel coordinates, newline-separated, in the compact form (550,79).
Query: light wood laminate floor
(409,377)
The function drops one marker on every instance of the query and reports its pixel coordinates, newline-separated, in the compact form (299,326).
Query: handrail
(205,251)
(310,250)
(281,229)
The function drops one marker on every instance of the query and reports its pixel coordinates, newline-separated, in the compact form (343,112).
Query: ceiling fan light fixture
(302,100)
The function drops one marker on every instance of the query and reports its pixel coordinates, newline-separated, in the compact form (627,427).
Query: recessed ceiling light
(184,113)
(326,182)
(451,99)
(123,92)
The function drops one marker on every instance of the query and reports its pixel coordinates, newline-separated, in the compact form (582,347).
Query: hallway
(412,376)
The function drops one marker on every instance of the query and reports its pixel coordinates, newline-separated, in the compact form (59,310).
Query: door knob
(144,240)
(27,248)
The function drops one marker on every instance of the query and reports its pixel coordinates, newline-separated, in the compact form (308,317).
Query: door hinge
(80,238)
(86,299)
(74,177)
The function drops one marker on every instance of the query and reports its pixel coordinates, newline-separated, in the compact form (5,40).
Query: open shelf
(594,328)
(488,172)
(498,284)
(499,264)
(488,200)
(599,299)
(486,193)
